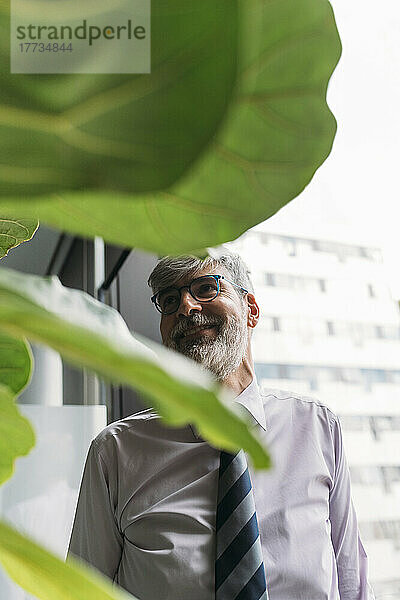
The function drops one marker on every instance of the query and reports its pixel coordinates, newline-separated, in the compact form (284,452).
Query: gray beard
(221,355)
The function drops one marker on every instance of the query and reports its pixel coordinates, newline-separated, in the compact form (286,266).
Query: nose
(188,304)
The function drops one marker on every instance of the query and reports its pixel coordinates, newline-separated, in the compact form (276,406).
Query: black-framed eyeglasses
(203,289)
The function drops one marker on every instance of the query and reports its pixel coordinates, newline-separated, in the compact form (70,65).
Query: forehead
(193,274)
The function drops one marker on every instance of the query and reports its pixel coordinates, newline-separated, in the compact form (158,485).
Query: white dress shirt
(147,505)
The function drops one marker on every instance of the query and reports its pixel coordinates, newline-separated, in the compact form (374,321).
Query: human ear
(253,311)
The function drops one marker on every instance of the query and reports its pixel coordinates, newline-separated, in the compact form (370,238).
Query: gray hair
(170,269)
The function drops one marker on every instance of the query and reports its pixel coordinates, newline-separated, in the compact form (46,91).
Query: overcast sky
(355,194)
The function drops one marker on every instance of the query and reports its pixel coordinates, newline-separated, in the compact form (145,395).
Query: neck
(240,379)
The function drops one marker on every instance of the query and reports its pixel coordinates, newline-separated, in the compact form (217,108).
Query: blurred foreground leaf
(48,577)
(277,131)
(119,131)
(94,336)
(15,363)
(16,434)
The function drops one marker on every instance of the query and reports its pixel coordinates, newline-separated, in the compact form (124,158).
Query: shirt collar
(250,399)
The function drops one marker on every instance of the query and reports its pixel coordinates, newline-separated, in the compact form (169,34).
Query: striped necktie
(239,567)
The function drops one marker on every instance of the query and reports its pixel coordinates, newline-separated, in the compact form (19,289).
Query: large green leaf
(277,131)
(49,578)
(16,434)
(120,132)
(95,336)
(15,231)
(15,363)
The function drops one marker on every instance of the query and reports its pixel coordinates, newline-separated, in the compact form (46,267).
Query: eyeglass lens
(202,289)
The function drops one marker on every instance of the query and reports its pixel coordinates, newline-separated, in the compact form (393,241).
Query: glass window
(390,332)
(374,428)
(392,473)
(269,323)
(366,475)
(270,279)
(290,246)
(283,372)
(374,375)
(323,246)
(330,328)
(294,282)
(343,252)
(315,244)
(354,422)
(351,375)
(285,281)
(383,423)
(328,374)
(296,372)
(266,371)
(275,324)
(373,254)
(387,529)
(394,377)
(264,324)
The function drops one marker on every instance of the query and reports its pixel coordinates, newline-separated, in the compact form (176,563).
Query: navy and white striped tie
(239,567)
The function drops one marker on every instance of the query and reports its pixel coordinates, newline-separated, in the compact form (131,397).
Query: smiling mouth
(196,331)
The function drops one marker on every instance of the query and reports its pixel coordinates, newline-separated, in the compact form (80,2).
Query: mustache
(197,320)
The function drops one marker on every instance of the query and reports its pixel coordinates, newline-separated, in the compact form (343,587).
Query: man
(147,506)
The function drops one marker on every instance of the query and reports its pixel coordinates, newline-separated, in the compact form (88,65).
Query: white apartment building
(330,328)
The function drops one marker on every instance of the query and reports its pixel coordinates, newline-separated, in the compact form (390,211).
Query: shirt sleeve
(95,536)
(351,558)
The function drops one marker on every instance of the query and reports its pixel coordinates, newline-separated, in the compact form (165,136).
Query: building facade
(329,328)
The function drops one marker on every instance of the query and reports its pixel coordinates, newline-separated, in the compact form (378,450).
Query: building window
(271,323)
(270,279)
(316,246)
(366,475)
(290,245)
(371,376)
(283,372)
(295,282)
(373,427)
(275,324)
(373,254)
(371,291)
(322,374)
(354,422)
(265,371)
(331,329)
(394,377)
